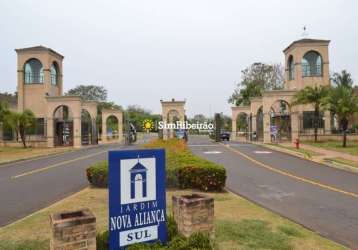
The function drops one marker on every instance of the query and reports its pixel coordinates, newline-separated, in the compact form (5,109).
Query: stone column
(120,127)
(233,129)
(295,126)
(75,230)
(253,124)
(94,132)
(50,132)
(327,123)
(267,133)
(104,130)
(77,132)
(20,90)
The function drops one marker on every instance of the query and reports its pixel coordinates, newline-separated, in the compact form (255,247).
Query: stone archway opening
(172,117)
(242,126)
(63,126)
(280,121)
(86,128)
(112,125)
(172,111)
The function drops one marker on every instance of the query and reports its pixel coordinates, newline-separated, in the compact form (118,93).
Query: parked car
(225,135)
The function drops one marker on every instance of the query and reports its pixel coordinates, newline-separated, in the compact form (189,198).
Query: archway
(280,121)
(63,126)
(260,124)
(173,117)
(242,126)
(86,128)
(112,132)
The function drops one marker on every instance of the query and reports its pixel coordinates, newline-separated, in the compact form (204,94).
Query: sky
(143,51)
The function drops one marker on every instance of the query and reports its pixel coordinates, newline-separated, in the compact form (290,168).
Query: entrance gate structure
(62,120)
(172,111)
(272,117)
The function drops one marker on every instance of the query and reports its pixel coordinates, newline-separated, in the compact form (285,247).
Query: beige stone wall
(75,230)
(298,50)
(193,213)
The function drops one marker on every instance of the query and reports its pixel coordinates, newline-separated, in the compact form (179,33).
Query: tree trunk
(344,138)
(344,123)
(23,136)
(315,123)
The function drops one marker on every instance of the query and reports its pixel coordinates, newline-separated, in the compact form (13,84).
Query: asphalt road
(28,186)
(321,198)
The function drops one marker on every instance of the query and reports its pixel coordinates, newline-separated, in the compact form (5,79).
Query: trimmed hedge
(97,174)
(184,169)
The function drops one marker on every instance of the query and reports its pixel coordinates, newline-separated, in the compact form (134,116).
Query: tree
(136,115)
(4,110)
(21,122)
(342,101)
(315,96)
(254,80)
(89,92)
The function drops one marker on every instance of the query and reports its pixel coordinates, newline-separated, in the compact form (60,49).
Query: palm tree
(315,96)
(20,122)
(342,101)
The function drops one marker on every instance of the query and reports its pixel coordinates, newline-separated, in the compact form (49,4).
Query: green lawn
(305,152)
(352,146)
(8,154)
(239,224)
(344,161)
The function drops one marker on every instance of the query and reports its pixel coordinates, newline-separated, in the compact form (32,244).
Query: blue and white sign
(137,207)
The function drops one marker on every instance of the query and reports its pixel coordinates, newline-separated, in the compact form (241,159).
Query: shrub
(200,241)
(183,169)
(172,228)
(97,174)
(186,170)
(102,240)
(175,241)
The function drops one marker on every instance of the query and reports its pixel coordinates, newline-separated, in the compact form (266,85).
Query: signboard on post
(137,202)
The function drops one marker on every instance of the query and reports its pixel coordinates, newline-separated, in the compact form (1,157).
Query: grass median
(239,224)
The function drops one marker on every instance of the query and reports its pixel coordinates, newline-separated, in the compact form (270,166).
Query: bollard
(193,213)
(73,230)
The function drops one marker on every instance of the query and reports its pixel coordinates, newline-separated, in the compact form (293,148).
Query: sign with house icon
(137,206)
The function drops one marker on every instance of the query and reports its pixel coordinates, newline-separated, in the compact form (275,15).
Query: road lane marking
(212,152)
(262,152)
(56,165)
(203,145)
(324,186)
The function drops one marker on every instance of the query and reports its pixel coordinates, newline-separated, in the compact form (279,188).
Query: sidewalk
(325,153)
(328,157)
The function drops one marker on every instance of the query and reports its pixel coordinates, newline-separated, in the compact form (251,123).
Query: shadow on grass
(255,234)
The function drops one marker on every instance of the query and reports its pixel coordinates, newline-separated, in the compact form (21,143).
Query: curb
(325,162)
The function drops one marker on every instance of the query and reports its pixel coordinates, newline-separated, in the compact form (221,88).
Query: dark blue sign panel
(137,208)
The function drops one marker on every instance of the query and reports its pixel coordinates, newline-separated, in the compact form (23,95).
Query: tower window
(34,72)
(312,64)
(54,75)
(291,68)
